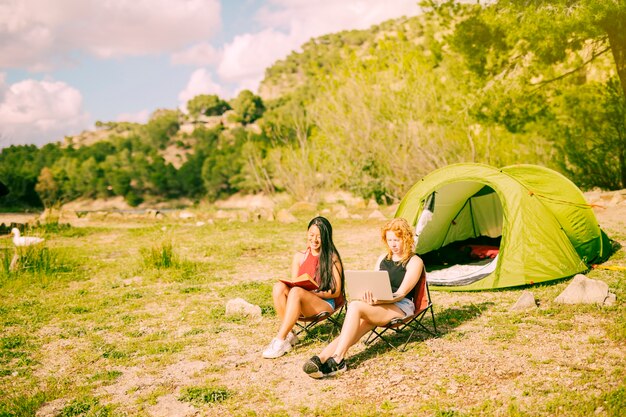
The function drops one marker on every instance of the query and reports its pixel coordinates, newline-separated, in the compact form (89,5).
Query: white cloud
(290,23)
(248,55)
(327,16)
(200,82)
(138,117)
(43,34)
(200,55)
(39,112)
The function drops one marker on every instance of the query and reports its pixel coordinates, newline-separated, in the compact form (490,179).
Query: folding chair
(305,324)
(423,304)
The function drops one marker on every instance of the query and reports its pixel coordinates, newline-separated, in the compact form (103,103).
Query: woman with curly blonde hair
(405,269)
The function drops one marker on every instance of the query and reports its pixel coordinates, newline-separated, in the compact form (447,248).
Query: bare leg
(360,318)
(13,265)
(279,294)
(300,301)
(330,349)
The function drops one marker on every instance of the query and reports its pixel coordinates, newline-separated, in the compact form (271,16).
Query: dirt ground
(465,369)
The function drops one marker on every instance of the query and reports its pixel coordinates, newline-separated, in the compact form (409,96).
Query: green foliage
(371,111)
(47,188)
(593,152)
(204,395)
(160,256)
(162,126)
(86,407)
(222,167)
(207,105)
(19,168)
(542,64)
(248,106)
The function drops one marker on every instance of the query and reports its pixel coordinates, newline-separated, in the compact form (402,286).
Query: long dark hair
(328,255)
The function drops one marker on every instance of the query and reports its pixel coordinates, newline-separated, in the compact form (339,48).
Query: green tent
(480,227)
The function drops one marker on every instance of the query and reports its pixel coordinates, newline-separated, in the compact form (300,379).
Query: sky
(65,64)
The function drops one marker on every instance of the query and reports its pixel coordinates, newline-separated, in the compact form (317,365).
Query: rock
(376,214)
(243,216)
(186,215)
(239,306)
(284,216)
(526,301)
(343,197)
(342,213)
(372,204)
(249,201)
(223,214)
(617,199)
(610,299)
(152,213)
(303,206)
(583,290)
(262,214)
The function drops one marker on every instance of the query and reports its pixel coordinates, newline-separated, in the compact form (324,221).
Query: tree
(208,105)
(544,42)
(248,106)
(47,188)
(162,126)
(591,150)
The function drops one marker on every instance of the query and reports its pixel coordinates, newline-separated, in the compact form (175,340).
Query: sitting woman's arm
(413,272)
(298,257)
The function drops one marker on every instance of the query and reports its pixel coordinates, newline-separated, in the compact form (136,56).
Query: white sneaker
(276,349)
(292,338)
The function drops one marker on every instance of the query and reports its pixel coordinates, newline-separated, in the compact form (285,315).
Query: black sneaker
(334,368)
(314,368)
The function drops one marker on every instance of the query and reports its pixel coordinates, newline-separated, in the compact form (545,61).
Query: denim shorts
(330,301)
(406,305)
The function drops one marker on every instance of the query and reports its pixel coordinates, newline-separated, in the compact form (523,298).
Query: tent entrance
(460,245)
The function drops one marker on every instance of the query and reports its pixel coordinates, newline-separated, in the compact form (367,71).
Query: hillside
(368,112)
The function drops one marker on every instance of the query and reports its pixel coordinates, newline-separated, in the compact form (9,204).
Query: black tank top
(397,271)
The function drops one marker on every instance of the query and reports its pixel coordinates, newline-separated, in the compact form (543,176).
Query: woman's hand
(368,297)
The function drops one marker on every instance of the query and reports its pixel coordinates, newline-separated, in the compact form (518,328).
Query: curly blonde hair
(401,228)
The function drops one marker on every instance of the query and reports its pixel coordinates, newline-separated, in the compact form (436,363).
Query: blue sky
(65,64)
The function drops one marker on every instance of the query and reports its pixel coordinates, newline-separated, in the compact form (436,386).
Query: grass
(114,321)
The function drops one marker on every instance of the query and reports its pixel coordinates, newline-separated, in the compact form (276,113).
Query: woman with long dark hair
(322,262)
(405,269)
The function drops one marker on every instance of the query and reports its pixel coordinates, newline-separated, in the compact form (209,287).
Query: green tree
(19,168)
(248,106)
(590,151)
(545,42)
(222,167)
(47,188)
(208,105)
(162,126)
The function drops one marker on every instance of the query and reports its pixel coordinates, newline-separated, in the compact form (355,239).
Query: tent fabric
(547,229)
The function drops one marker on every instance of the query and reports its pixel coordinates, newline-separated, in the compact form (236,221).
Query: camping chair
(305,324)
(423,304)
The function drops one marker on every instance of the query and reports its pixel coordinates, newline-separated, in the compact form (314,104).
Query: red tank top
(309,266)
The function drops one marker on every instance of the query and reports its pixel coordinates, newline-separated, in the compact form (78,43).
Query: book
(305,281)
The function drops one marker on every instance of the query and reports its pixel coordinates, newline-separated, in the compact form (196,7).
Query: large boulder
(526,301)
(285,216)
(583,290)
(240,307)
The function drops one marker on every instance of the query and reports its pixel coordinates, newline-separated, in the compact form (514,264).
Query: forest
(373,111)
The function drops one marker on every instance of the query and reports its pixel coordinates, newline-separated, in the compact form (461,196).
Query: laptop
(357,282)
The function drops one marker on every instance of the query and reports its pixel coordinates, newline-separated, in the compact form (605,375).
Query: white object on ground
(24,240)
(461,273)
